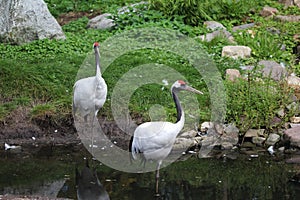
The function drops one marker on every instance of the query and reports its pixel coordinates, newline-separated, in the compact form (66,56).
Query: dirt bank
(18,129)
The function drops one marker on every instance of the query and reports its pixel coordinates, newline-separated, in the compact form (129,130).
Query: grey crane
(154,140)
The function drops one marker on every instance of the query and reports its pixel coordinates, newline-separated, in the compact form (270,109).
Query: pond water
(50,172)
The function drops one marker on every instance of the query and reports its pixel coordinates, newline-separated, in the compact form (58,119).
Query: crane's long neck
(97,58)
(180,113)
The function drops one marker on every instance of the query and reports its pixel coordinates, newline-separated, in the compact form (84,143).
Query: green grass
(58,7)
(40,75)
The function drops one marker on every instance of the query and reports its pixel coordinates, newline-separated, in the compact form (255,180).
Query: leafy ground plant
(264,45)
(197,11)
(255,101)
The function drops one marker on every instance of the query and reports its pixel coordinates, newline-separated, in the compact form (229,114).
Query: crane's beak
(188,88)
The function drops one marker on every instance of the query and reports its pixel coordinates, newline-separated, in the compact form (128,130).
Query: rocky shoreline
(28,137)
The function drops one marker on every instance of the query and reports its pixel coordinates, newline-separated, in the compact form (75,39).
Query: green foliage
(264,45)
(148,95)
(78,25)
(58,7)
(197,11)
(41,74)
(254,102)
(142,16)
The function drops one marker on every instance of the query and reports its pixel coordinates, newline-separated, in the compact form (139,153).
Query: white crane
(90,93)
(154,140)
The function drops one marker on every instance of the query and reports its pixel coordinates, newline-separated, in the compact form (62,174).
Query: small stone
(213,25)
(273,69)
(183,143)
(275,121)
(292,135)
(287,2)
(292,125)
(101,22)
(243,26)
(258,140)
(293,106)
(281,113)
(295,119)
(293,82)
(255,133)
(296,38)
(288,18)
(268,11)
(218,33)
(232,74)
(206,125)
(236,52)
(231,129)
(227,145)
(272,139)
(188,134)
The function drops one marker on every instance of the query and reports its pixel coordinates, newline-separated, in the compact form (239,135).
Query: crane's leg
(92,137)
(94,120)
(157,179)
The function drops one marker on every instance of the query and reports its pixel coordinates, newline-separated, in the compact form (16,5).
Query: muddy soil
(19,130)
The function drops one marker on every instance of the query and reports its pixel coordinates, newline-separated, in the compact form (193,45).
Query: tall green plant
(253,103)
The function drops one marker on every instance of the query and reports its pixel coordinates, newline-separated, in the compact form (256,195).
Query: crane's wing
(154,136)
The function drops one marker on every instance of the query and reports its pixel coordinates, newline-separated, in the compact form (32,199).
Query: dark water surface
(50,172)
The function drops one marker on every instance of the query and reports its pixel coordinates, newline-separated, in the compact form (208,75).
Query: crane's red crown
(181,82)
(96,44)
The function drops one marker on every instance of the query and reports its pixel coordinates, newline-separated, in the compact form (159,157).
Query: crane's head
(96,44)
(181,85)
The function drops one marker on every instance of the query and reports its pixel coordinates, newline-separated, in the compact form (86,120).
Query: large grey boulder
(22,21)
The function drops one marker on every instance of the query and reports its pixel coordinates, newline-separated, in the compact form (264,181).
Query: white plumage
(154,140)
(90,93)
